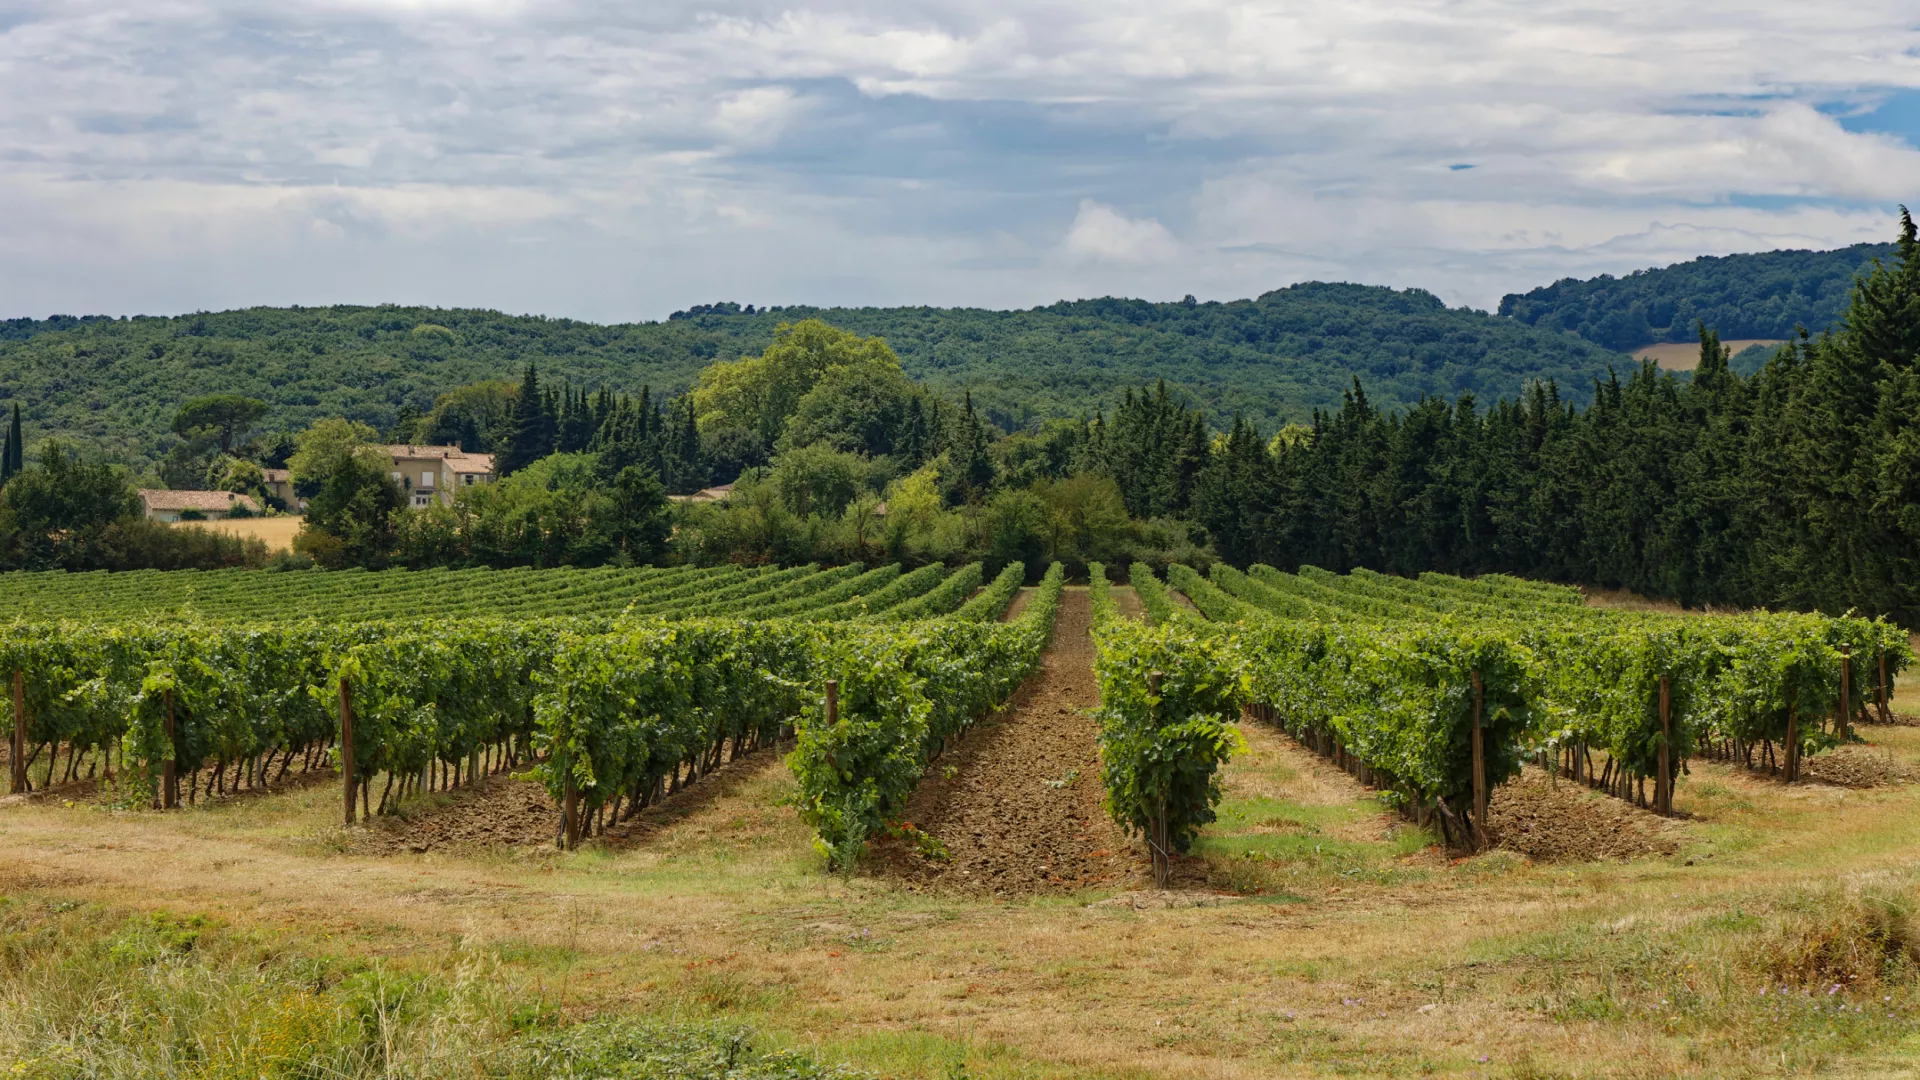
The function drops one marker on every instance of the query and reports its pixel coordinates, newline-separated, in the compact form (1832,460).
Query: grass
(276,532)
(252,931)
(98,993)
(1289,822)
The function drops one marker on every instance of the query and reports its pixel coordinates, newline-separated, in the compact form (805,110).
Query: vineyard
(613,687)
(1438,689)
(1302,763)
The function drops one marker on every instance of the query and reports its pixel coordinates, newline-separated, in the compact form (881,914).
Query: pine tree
(968,454)
(912,448)
(6,458)
(576,427)
(532,435)
(17,445)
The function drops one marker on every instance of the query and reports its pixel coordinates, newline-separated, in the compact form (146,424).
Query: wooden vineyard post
(1843,720)
(1793,744)
(1157,828)
(170,768)
(18,746)
(833,702)
(570,814)
(346,748)
(1479,763)
(1663,785)
(1886,712)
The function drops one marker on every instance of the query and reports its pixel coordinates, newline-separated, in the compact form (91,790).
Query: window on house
(426,479)
(398,478)
(469,479)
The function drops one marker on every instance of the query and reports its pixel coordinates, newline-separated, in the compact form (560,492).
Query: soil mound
(1017,804)
(502,812)
(508,813)
(1564,821)
(1858,767)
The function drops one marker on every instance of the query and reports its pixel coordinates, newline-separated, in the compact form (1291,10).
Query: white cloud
(1102,234)
(204,153)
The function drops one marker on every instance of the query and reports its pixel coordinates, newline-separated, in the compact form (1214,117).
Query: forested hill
(1766,295)
(116,383)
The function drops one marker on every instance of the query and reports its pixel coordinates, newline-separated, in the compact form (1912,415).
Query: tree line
(1275,357)
(1769,295)
(1792,487)
(1798,487)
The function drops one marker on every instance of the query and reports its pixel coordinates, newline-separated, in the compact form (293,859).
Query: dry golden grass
(1685,356)
(277,532)
(1372,958)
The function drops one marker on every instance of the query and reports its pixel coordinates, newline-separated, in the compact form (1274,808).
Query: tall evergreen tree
(16,445)
(969,456)
(532,433)
(6,458)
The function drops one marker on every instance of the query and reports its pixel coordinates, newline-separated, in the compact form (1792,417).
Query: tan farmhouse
(279,484)
(212,505)
(430,473)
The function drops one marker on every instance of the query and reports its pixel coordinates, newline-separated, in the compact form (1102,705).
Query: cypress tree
(531,439)
(16,445)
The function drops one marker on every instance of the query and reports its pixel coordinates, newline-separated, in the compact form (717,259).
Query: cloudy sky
(619,160)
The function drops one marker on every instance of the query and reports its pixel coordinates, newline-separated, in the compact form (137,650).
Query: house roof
(457,459)
(217,501)
(717,493)
(276,476)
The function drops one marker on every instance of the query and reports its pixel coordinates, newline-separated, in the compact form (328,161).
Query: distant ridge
(115,382)
(1765,296)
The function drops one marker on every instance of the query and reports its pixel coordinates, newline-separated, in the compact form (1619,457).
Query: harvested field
(276,532)
(1685,355)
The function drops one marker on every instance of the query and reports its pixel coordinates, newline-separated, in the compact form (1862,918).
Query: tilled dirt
(1567,821)
(1857,767)
(501,812)
(1017,803)
(507,813)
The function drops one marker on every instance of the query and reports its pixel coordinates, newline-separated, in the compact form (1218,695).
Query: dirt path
(1017,803)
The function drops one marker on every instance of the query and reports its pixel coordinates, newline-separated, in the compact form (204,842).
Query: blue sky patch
(1896,114)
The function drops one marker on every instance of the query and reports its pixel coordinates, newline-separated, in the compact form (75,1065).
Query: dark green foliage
(970,470)
(223,418)
(1768,295)
(1794,488)
(56,513)
(116,382)
(533,433)
(16,449)
(1153,448)
(350,519)
(71,512)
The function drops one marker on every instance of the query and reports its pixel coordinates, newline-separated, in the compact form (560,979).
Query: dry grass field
(1684,356)
(1771,931)
(277,532)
